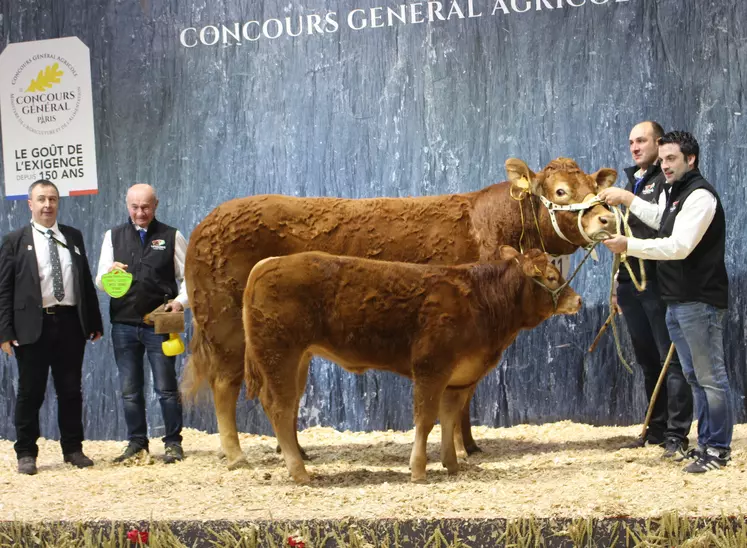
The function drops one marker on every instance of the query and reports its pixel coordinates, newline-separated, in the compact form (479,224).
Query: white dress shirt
(106,260)
(690,225)
(43,259)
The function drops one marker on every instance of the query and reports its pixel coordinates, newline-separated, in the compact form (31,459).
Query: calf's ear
(536,263)
(520,176)
(604,178)
(531,269)
(506,253)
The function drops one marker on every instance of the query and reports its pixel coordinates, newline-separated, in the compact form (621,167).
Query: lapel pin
(30,247)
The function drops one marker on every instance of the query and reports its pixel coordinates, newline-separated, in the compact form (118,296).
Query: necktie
(54,254)
(638,182)
(142,236)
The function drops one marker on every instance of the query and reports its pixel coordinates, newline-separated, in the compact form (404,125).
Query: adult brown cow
(449,229)
(444,327)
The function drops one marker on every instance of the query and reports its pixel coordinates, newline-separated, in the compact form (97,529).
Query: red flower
(137,537)
(295,541)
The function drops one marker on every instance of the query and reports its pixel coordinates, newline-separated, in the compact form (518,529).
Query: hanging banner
(46,110)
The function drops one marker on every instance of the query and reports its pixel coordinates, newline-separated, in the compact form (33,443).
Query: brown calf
(443,327)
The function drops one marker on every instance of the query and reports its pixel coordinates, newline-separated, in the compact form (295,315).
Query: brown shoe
(27,465)
(78,459)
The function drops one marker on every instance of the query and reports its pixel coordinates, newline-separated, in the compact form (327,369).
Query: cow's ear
(521,176)
(604,178)
(506,253)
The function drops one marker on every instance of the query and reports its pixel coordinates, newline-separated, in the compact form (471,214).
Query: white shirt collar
(55,228)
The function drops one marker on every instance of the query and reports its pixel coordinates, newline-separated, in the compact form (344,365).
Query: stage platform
(560,484)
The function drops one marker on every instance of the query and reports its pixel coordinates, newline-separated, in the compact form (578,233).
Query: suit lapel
(28,252)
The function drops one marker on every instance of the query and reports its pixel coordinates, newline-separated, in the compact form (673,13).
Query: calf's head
(535,265)
(564,183)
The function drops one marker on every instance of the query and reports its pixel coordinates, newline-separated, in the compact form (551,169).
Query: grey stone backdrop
(404,110)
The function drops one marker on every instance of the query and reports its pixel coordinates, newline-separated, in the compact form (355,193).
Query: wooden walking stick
(662,376)
(601,332)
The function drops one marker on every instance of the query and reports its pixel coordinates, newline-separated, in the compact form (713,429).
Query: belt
(58,309)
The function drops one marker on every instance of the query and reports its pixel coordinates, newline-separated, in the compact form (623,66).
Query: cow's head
(535,265)
(564,183)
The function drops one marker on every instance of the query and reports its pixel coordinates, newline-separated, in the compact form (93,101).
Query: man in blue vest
(689,250)
(153,253)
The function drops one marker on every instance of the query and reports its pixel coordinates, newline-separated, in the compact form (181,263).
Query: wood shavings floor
(553,470)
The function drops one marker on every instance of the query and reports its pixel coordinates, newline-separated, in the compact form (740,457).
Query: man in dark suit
(48,308)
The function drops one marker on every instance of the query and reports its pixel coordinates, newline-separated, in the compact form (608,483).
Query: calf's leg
(280,398)
(426,398)
(452,403)
(303,373)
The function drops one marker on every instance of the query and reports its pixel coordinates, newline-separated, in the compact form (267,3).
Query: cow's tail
(194,385)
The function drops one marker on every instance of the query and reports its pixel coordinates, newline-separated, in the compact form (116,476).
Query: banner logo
(47,116)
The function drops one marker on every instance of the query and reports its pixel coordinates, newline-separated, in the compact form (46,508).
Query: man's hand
(95,336)
(173,306)
(117,265)
(7,347)
(617,244)
(616,196)
(615,306)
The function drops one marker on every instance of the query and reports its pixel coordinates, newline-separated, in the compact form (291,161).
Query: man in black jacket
(689,249)
(48,308)
(645,312)
(153,252)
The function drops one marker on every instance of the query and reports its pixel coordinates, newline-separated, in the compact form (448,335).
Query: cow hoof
(302,479)
(420,481)
(462,454)
(238,464)
(221,454)
(472,449)
(304,456)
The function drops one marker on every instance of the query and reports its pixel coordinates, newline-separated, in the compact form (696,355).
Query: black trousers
(645,316)
(60,347)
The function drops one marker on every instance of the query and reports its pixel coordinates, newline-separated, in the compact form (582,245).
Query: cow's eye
(560,192)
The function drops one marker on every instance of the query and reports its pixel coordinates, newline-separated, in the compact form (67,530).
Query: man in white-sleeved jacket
(153,253)
(689,248)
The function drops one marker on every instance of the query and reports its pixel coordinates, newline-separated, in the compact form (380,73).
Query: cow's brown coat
(449,229)
(444,327)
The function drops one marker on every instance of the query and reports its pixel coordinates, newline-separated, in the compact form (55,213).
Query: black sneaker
(712,459)
(692,454)
(77,459)
(133,454)
(174,453)
(674,448)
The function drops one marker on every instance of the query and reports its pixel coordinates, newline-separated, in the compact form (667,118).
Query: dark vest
(152,268)
(649,190)
(701,276)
